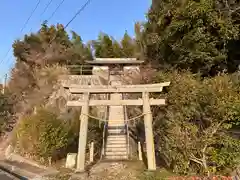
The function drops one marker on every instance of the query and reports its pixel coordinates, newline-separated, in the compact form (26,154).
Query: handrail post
(91,158)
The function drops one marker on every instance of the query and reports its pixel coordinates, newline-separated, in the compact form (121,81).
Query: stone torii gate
(117,88)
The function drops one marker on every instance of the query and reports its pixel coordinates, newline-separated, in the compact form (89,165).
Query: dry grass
(132,170)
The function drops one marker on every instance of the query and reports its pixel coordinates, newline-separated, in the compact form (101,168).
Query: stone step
(116,120)
(116,149)
(116,133)
(120,140)
(113,151)
(117,157)
(117,142)
(117,136)
(116,117)
(116,153)
(117,127)
(116,145)
(119,124)
(116,130)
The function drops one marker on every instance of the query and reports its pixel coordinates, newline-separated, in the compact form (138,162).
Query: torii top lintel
(115,62)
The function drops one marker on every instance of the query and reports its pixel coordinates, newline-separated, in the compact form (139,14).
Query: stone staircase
(116,145)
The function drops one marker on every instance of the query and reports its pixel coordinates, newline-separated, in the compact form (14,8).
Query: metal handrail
(104,131)
(103,142)
(126,124)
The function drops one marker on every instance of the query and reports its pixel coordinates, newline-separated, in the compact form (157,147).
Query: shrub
(192,130)
(42,134)
(5,111)
(192,133)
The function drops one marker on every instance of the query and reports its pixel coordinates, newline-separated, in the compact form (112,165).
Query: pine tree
(128,47)
(103,46)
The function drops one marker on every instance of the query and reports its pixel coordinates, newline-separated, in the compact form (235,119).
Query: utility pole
(4,84)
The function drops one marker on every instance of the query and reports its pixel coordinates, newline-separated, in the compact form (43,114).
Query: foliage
(33,87)
(42,134)
(43,56)
(45,135)
(107,47)
(51,45)
(128,46)
(104,47)
(190,35)
(5,111)
(95,130)
(192,131)
(40,60)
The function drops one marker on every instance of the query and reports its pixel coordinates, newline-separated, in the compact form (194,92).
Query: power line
(45,9)
(30,15)
(71,20)
(54,12)
(25,24)
(5,56)
(74,17)
(78,12)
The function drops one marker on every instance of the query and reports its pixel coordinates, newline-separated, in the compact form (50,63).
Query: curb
(12,173)
(18,172)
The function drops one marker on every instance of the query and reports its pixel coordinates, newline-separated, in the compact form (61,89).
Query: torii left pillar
(83,134)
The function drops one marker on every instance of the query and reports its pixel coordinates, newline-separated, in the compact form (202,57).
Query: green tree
(78,54)
(103,46)
(117,49)
(51,45)
(128,46)
(43,135)
(189,35)
(107,47)
(192,133)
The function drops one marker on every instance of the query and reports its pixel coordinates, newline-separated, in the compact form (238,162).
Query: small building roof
(113,61)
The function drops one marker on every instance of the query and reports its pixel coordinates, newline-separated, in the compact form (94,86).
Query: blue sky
(110,16)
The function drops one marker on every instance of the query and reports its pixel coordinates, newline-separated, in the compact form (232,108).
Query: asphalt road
(6,176)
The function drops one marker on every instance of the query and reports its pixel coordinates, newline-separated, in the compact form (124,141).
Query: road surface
(6,176)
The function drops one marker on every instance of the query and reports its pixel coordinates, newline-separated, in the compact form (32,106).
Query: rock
(39,178)
(9,151)
(71,160)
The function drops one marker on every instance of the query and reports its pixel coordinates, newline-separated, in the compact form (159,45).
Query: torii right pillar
(149,132)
